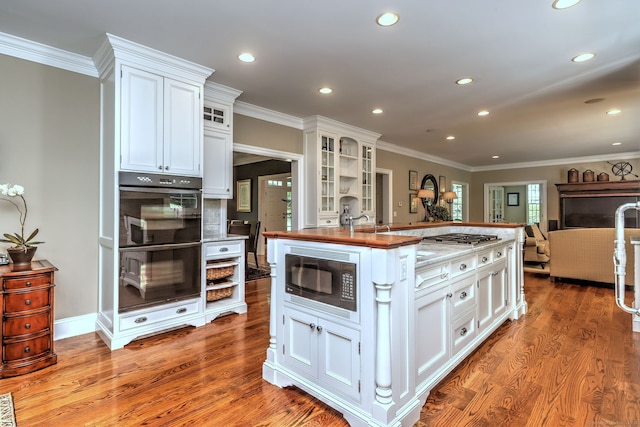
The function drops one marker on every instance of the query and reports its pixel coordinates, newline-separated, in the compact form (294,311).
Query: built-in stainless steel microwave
(327,281)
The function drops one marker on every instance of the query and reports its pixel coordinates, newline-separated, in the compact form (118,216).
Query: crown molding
(216,91)
(317,121)
(382,145)
(267,115)
(558,162)
(46,55)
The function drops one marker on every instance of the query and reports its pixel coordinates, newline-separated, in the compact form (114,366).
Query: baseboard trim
(73,326)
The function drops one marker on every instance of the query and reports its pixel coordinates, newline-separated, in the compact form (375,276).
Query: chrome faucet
(351,219)
(376,227)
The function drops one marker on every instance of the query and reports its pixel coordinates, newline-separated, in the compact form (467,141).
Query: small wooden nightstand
(26,304)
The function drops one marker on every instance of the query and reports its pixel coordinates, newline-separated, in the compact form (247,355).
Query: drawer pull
(225,249)
(28,284)
(449,295)
(498,254)
(181,310)
(27,349)
(494,273)
(141,319)
(485,259)
(463,332)
(463,295)
(463,267)
(27,325)
(27,302)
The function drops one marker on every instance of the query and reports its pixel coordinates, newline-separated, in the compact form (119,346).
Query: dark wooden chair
(252,243)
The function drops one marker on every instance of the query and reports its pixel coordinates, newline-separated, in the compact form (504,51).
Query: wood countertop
(365,236)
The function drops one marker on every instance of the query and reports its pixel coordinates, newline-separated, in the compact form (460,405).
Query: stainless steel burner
(470,239)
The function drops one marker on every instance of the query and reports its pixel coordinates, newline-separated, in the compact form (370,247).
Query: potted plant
(440,213)
(23,248)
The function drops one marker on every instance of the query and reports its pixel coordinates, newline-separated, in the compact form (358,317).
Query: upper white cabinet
(160,123)
(340,172)
(217,181)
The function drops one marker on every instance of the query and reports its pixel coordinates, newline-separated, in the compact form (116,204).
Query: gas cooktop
(470,239)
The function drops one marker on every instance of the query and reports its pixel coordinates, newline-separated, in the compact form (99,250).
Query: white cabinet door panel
(181,128)
(301,347)
(339,358)
(432,330)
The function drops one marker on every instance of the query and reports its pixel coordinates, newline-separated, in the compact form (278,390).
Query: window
(456,206)
(533,203)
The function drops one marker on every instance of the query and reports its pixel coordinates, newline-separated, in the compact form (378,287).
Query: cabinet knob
(463,267)
(27,325)
(27,302)
(166,168)
(319,328)
(463,332)
(225,249)
(312,326)
(463,295)
(27,349)
(485,259)
(28,284)
(449,295)
(160,167)
(499,254)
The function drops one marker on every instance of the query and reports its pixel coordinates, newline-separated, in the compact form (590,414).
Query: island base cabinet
(322,350)
(432,346)
(493,296)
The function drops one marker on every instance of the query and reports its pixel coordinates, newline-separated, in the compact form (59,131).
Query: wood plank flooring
(571,361)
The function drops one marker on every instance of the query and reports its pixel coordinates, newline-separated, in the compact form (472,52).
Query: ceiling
(518,52)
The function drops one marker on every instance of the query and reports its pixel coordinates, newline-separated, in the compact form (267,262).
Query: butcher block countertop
(365,236)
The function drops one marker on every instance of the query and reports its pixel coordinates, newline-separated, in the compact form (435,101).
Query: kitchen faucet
(351,219)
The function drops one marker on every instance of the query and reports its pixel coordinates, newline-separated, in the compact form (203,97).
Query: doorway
(384,196)
(274,204)
(516,202)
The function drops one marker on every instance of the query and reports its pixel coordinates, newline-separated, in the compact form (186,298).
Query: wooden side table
(26,303)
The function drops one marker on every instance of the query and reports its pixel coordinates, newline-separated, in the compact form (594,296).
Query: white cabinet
(217,180)
(323,350)
(223,278)
(161,127)
(432,331)
(217,113)
(340,171)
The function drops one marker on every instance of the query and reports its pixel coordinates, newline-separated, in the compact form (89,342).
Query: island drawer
(431,275)
(463,296)
(463,265)
(463,331)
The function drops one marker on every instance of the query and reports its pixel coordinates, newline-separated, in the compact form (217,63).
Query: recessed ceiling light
(451,137)
(495,157)
(377,111)
(617,143)
(563,4)
(583,57)
(246,57)
(464,81)
(325,90)
(483,113)
(593,100)
(614,111)
(387,19)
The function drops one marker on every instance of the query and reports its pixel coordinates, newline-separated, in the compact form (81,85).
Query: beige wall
(400,165)
(260,133)
(552,174)
(49,144)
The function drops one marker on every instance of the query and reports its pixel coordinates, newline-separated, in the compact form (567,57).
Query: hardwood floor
(571,361)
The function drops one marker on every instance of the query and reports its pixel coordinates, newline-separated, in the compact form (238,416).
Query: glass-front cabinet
(340,163)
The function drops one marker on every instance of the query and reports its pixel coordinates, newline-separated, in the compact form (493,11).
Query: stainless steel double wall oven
(160,239)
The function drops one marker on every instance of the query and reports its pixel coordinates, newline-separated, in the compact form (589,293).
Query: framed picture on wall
(513,199)
(413,180)
(413,202)
(442,183)
(244,195)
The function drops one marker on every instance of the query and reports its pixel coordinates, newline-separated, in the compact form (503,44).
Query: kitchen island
(419,308)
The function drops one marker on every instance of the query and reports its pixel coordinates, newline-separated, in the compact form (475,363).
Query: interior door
(274,204)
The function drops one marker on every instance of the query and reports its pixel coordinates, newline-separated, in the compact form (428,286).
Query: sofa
(536,246)
(587,254)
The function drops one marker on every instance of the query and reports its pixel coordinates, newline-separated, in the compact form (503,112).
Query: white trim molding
(46,55)
(267,115)
(72,326)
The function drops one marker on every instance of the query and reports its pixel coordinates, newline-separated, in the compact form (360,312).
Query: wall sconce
(427,197)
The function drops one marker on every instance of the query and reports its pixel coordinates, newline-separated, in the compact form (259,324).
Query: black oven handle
(162,247)
(160,190)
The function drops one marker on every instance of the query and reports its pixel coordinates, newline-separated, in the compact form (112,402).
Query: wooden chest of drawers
(26,303)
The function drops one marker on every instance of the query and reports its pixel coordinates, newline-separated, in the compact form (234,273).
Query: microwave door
(310,277)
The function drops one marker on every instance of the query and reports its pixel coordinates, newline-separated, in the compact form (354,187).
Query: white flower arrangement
(9,193)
